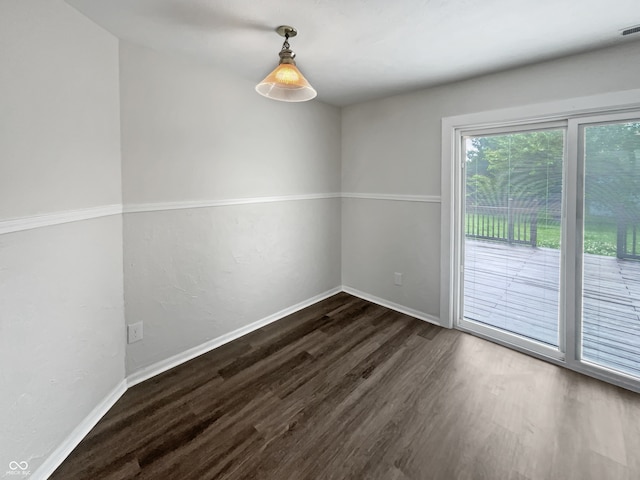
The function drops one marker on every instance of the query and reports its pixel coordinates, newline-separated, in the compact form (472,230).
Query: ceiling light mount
(286,31)
(286,83)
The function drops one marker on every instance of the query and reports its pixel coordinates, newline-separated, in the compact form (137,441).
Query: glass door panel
(513,190)
(610,327)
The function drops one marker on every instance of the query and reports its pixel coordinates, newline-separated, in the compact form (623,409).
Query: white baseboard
(80,432)
(157,368)
(59,455)
(167,364)
(393,306)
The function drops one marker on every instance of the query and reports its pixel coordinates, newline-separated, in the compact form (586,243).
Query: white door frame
(574,113)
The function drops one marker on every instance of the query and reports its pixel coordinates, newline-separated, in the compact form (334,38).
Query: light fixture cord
(285,45)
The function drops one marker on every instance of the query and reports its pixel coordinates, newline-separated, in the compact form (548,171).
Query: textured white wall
(62,340)
(194,275)
(59,124)
(393,145)
(61,296)
(193,133)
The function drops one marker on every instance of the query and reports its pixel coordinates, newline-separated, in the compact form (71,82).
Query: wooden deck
(515,288)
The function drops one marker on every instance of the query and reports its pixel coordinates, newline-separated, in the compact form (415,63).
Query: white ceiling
(355,50)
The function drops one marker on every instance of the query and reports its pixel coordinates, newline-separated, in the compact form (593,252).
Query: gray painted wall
(192,133)
(61,297)
(393,145)
(60,126)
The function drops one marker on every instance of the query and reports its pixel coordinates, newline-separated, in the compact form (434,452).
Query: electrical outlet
(134,332)
(397,278)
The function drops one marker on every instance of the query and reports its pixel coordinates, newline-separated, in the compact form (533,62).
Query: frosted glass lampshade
(286,84)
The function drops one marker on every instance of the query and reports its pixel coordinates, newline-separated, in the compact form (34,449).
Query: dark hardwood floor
(346,389)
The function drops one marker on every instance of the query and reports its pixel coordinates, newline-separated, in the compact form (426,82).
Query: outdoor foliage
(612,180)
(526,167)
(525,170)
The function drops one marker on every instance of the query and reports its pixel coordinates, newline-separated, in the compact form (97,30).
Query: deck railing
(628,232)
(502,224)
(519,225)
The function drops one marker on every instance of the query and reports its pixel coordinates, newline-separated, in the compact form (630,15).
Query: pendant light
(286,83)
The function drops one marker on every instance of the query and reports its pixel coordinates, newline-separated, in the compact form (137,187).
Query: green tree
(612,170)
(525,167)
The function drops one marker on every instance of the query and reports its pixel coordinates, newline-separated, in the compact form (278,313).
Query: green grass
(599,238)
(549,235)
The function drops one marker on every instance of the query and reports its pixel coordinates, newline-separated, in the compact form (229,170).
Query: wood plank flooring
(515,288)
(346,389)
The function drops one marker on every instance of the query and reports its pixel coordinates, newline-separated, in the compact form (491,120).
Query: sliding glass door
(513,190)
(609,216)
(548,241)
